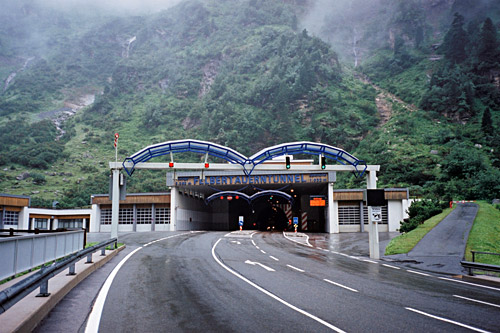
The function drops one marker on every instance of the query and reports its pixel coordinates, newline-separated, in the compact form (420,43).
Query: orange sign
(317,202)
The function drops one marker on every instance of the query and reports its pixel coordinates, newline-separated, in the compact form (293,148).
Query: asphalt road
(442,249)
(262,282)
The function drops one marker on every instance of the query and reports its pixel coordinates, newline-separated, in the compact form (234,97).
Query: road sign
(296,220)
(240,221)
(376,214)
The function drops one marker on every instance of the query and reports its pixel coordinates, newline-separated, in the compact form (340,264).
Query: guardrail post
(71,269)
(473,255)
(89,258)
(44,289)
(103,251)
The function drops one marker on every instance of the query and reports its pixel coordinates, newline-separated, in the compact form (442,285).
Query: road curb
(482,279)
(25,315)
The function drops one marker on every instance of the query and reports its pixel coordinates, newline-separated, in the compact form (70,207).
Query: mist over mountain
(382,79)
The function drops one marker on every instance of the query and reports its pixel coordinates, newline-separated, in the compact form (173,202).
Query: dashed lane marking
(390,266)
(447,320)
(268,293)
(297,269)
(340,285)
(477,301)
(274,258)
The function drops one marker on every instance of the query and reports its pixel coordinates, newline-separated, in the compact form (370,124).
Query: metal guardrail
(479,266)
(471,265)
(24,252)
(13,294)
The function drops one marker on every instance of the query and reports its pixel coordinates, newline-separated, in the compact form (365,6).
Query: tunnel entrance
(268,217)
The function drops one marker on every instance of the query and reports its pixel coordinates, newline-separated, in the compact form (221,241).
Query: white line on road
(269,269)
(447,320)
(297,269)
(253,243)
(256,286)
(274,258)
(472,284)
(293,240)
(95,315)
(415,272)
(340,285)
(263,251)
(390,266)
(477,301)
(258,248)
(370,261)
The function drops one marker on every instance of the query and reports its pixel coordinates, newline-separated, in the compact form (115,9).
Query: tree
(486,123)
(456,41)
(488,46)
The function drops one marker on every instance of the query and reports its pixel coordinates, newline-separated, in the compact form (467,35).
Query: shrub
(420,211)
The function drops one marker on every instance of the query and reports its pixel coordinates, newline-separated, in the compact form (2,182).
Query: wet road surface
(261,282)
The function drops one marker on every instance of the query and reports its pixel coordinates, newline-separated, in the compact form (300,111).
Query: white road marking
(297,269)
(477,301)
(447,320)
(472,284)
(274,258)
(293,307)
(95,315)
(263,251)
(319,248)
(390,266)
(253,243)
(340,285)
(236,242)
(415,272)
(258,248)
(370,261)
(293,240)
(269,269)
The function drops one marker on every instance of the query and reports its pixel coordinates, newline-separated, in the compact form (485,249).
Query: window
(126,216)
(144,215)
(11,218)
(162,215)
(106,216)
(40,223)
(71,223)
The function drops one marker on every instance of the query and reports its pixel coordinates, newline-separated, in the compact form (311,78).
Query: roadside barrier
(13,294)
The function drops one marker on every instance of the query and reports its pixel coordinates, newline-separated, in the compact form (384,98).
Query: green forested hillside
(246,74)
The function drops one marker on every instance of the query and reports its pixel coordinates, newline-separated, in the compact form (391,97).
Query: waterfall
(127,47)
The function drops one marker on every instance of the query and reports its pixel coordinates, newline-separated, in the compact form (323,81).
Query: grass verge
(485,235)
(407,241)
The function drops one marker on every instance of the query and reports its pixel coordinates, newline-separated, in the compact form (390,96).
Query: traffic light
(287,162)
(323,162)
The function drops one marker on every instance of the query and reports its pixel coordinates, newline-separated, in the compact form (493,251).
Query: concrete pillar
(362,216)
(371,180)
(153,217)
(134,217)
(2,218)
(115,203)
(333,216)
(174,194)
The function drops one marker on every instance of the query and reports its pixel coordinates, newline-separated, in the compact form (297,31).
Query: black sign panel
(375,197)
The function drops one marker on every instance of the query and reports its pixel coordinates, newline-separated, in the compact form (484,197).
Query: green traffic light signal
(287,162)
(323,162)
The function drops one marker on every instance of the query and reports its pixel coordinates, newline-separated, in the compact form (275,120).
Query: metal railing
(13,294)
(24,252)
(473,265)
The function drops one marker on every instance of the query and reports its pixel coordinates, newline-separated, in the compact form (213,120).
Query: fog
(117,6)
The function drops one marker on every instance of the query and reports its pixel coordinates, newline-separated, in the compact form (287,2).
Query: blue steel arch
(232,156)
(311,148)
(251,198)
(181,146)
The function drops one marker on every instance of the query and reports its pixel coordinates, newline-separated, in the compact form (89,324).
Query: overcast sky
(133,6)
